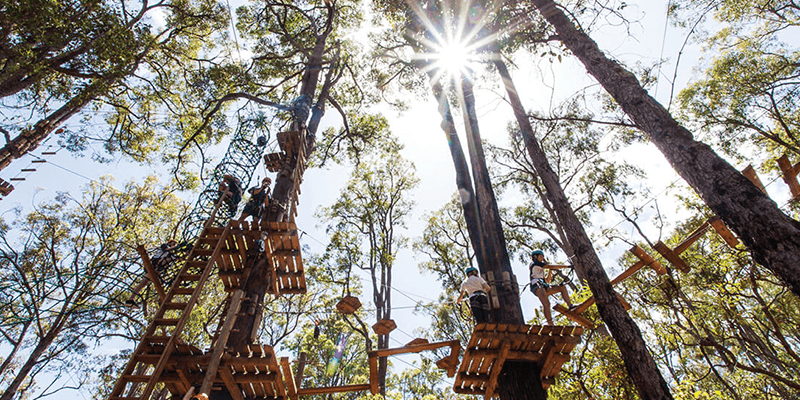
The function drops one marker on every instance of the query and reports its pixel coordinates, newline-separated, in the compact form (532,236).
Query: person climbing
(258,202)
(477,290)
(231,191)
(161,259)
(540,286)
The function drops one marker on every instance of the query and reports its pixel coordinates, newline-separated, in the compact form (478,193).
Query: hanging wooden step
(724,232)
(28,170)
(348,305)
(5,188)
(671,256)
(750,174)
(384,326)
(790,175)
(491,345)
(37,161)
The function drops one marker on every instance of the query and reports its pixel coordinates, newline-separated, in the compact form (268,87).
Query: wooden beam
(692,237)
(291,387)
(648,260)
(625,274)
(221,341)
(790,175)
(454,350)
(333,389)
(497,365)
(373,374)
(574,316)
(670,255)
(413,348)
(151,272)
(723,231)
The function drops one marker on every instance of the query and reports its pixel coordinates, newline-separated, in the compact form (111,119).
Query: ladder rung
(151,359)
(203,252)
(17,179)
(137,378)
(190,277)
(157,339)
(48,153)
(166,321)
(175,306)
(28,170)
(183,290)
(38,161)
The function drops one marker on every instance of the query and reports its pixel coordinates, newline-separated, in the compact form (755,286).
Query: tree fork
(772,237)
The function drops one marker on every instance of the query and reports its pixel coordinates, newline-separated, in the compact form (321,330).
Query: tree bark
(772,237)
(638,361)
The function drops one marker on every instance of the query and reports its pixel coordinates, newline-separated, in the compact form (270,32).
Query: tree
(772,237)
(364,222)
(66,275)
(61,58)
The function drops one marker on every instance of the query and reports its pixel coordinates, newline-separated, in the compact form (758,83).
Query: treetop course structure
(235,365)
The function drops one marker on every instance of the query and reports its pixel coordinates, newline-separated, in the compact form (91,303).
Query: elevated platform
(491,345)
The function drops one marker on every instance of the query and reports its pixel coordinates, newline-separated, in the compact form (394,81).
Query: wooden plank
(648,260)
(574,316)
(750,174)
(151,272)
(413,348)
(333,389)
(790,175)
(723,231)
(692,237)
(288,377)
(670,255)
(455,349)
(621,277)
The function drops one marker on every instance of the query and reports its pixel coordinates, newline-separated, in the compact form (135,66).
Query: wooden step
(183,290)
(203,252)
(190,277)
(151,359)
(175,306)
(157,339)
(137,378)
(166,321)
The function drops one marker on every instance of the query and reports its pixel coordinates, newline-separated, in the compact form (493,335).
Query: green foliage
(67,267)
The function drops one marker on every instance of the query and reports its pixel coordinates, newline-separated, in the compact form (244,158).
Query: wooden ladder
(153,352)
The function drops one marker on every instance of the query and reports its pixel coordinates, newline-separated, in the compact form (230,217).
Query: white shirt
(475,283)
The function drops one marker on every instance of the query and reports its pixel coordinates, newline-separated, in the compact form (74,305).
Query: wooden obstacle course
(415,346)
(273,161)
(491,345)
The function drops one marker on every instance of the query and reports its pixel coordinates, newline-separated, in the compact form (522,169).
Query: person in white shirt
(477,290)
(540,286)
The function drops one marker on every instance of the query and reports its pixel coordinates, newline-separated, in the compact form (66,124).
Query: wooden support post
(723,231)
(790,175)
(230,383)
(670,255)
(301,367)
(151,273)
(219,344)
(750,174)
(289,382)
(373,374)
(497,366)
(493,295)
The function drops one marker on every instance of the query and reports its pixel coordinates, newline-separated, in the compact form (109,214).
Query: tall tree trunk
(17,345)
(509,311)
(772,237)
(469,203)
(638,361)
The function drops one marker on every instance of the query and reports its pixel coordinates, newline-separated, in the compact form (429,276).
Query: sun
(454,58)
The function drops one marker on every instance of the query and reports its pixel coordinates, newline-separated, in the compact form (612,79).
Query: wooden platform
(491,345)
(282,248)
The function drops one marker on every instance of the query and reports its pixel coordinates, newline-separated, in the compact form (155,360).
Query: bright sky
(542,86)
